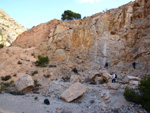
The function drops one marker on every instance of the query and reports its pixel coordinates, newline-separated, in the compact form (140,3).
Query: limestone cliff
(9,29)
(119,37)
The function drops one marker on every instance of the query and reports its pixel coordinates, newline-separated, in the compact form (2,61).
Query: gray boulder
(24,83)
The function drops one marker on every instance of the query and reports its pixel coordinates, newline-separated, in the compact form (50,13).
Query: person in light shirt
(114,78)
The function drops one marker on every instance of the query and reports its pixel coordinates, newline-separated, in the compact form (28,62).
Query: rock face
(76,90)
(24,83)
(10,58)
(38,35)
(118,37)
(9,29)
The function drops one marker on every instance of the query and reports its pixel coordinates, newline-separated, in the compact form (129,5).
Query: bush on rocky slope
(1,46)
(142,96)
(42,61)
(5,78)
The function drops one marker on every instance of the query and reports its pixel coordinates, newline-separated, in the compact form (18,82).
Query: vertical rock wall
(118,37)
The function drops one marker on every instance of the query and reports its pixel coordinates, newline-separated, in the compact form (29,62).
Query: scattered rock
(114,86)
(104,85)
(73,92)
(133,78)
(46,101)
(106,98)
(24,83)
(125,80)
(133,82)
(75,78)
(108,101)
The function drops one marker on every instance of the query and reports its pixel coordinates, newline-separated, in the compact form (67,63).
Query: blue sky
(30,13)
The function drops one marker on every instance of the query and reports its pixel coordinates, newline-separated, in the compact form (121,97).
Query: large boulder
(24,83)
(106,76)
(73,92)
(114,86)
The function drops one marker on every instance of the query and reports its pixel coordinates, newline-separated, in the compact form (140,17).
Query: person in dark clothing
(134,65)
(106,65)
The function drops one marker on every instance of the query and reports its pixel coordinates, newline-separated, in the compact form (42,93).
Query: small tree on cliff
(69,15)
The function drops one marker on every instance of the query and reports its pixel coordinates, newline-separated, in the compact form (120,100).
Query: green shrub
(1,46)
(16,93)
(34,72)
(42,61)
(143,97)
(46,76)
(131,95)
(144,87)
(7,84)
(1,89)
(11,82)
(36,86)
(35,98)
(66,79)
(52,66)
(15,75)
(6,78)
(19,62)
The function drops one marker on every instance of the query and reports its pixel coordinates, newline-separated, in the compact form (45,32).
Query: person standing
(114,78)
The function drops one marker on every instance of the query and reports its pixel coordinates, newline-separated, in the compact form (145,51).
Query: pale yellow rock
(106,76)
(134,82)
(106,98)
(133,78)
(113,86)
(73,92)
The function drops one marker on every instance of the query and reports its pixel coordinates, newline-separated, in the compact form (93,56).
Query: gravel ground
(97,99)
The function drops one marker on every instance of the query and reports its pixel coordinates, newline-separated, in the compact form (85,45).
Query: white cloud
(88,1)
